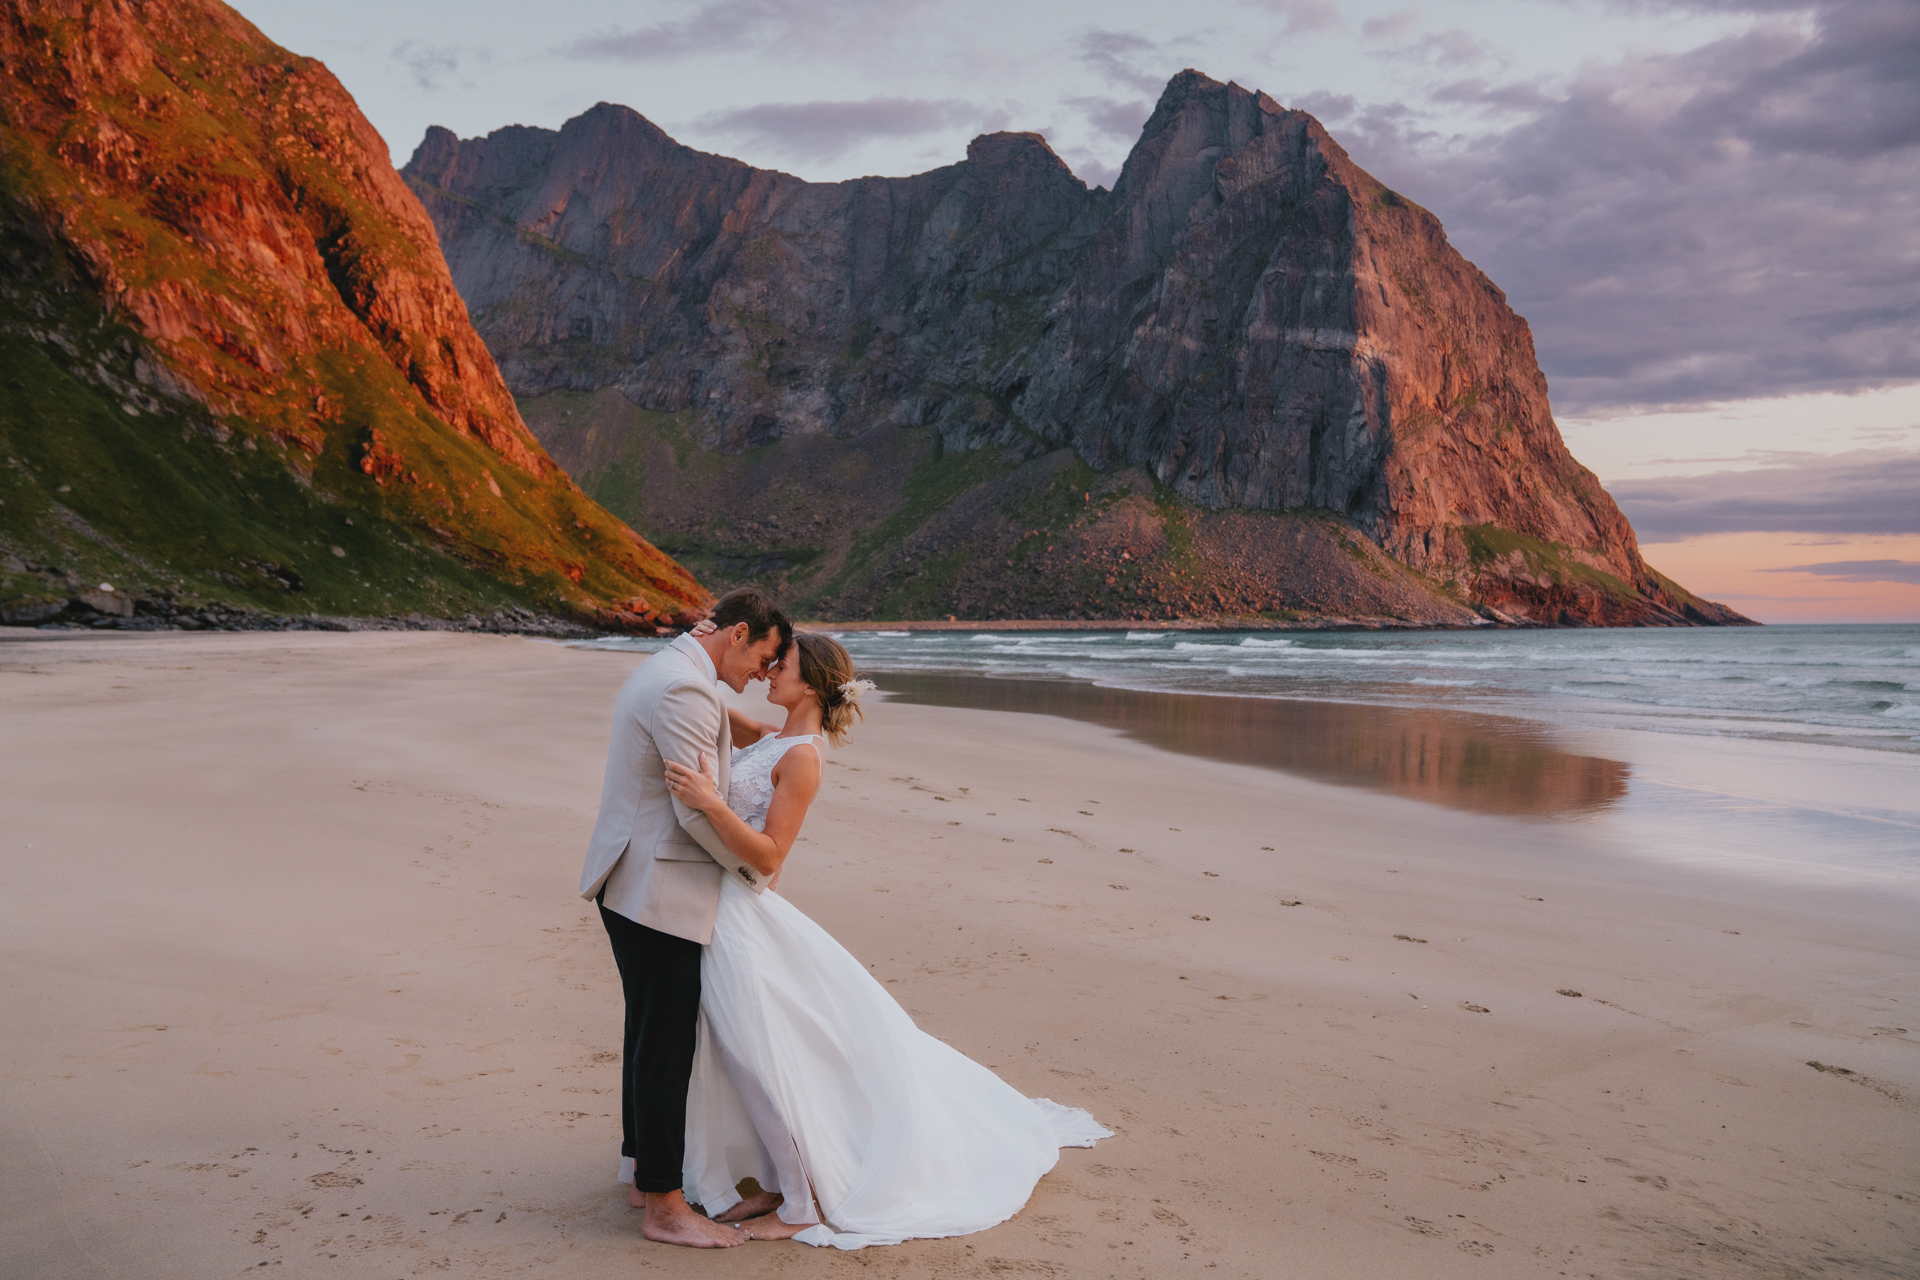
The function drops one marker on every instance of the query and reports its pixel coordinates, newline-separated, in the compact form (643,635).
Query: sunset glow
(1799,577)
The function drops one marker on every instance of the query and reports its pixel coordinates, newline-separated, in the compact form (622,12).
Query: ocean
(1815,771)
(1843,685)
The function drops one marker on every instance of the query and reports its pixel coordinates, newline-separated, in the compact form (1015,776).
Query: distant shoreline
(1158,624)
(525,622)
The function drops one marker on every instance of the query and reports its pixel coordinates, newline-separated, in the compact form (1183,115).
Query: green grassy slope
(163,504)
(885,525)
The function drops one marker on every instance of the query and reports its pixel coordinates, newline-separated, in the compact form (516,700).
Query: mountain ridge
(1246,323)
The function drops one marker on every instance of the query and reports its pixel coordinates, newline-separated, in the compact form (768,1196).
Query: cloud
(1741,220)
(1390,26)
(429,63)
(1096,173)
(1450,48)
(712,27)
(1122,120)
(1513,96)
(1303,17)
(1736,597)
(824,130)
(732,26)
(1907,571)
(1327,108)
(1108,54)
(1867,491)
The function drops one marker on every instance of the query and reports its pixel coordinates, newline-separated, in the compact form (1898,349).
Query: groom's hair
(748,605)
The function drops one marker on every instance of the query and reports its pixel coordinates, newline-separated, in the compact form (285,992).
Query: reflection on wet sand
(1484,763)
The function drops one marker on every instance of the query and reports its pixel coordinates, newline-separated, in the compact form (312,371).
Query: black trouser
(661,977)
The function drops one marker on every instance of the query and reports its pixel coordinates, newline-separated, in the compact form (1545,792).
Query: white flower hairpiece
(852,689)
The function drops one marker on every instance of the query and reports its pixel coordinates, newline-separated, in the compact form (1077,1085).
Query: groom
(655,866)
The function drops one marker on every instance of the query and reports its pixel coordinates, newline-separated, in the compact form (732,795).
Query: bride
(860,1128)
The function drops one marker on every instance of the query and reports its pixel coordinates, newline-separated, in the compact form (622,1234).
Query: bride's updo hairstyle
(826,667)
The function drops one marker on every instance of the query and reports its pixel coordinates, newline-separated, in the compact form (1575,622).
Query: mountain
(1250,379)
(234,372)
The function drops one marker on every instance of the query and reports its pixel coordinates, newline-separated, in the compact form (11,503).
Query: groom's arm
(686,724)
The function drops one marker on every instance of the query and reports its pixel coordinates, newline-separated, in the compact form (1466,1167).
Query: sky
(1708,210)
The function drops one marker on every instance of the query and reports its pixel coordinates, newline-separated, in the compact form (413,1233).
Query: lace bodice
(750,782)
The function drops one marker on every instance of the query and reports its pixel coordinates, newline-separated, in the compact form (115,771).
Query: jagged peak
(617,112)
(998,150)
(1185,84)
(438,149)
(1007,142)
(1188,85)
(602,115)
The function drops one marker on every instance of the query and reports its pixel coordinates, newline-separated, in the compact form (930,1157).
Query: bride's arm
(745,729)
(796,780)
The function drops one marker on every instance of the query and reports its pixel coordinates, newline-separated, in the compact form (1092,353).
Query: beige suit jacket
(660,862)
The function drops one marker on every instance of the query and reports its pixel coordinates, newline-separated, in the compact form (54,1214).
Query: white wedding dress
(811,1080)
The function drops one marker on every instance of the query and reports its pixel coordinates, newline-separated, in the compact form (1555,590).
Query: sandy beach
(295,982)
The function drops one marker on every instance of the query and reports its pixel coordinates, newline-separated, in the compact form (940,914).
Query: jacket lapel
(694,656)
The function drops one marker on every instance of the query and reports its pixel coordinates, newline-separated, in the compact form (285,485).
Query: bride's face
(785,688)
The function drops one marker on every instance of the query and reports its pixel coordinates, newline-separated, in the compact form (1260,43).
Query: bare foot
(752,1207)
(636,1198)
(772,1228)
(671,1220)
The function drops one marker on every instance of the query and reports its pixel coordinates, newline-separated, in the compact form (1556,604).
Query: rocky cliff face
(1246,323)
(216,287)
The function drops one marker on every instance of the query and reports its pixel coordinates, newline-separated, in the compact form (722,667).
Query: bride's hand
(692,787)
(704,627)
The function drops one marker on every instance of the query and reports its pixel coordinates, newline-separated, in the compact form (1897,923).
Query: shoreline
(107,614)
(99,613)
(346,1013)
(104,618)
(1220,623)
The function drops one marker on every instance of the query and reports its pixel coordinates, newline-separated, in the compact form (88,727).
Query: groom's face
(746,659)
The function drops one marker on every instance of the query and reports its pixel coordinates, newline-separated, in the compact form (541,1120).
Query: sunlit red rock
(227,199)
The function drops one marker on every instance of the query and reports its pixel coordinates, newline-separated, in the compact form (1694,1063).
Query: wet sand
(1489,764)
(293,975)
